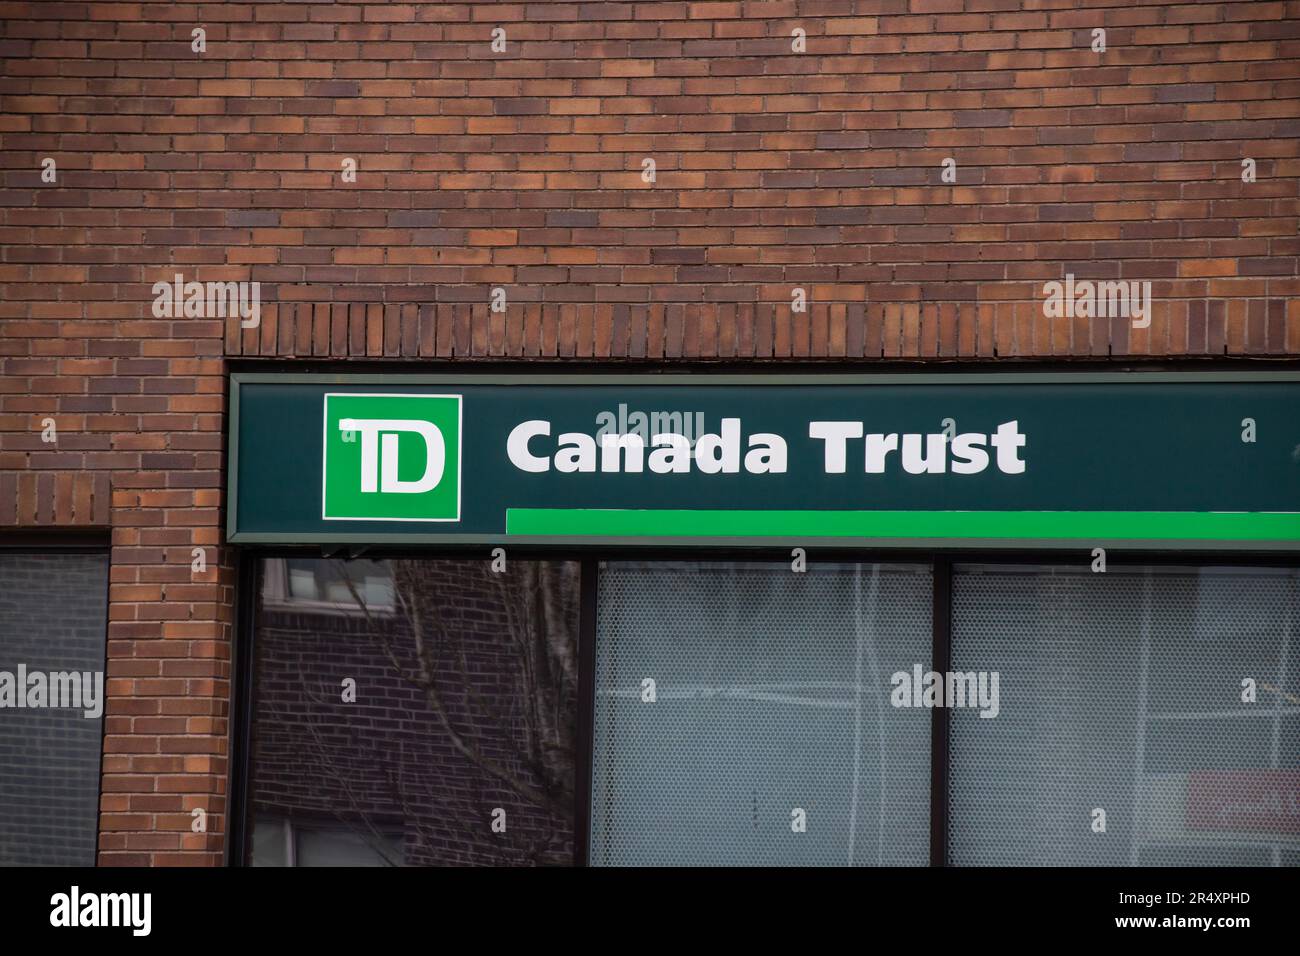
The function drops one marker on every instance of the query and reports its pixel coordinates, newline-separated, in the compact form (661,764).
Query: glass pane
(456,746)
(302,579)
(343,847)
(270,839)
(339,582)
(1123,692)
(771,697)
(53,615)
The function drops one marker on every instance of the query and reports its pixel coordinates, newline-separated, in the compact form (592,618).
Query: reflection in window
(334,585)
(436,728)
(278,842)
(771,712)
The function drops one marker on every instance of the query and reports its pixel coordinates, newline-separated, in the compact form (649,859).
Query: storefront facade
(824,618)
(940,568)
(658,625)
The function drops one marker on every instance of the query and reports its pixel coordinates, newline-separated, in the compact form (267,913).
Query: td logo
(391,457)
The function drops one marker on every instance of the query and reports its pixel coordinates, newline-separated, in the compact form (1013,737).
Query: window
(1123,693)
(53,615)
(744,714)
(331,585)
(441,732)
(767,738)
(280,842)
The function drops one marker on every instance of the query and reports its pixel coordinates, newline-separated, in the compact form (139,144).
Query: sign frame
(703,379)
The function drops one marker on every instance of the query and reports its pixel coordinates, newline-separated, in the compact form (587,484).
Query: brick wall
(522,170)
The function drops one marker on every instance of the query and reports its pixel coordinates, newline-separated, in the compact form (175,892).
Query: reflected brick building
(379,779)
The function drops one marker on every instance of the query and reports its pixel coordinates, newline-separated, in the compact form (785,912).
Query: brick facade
(522,170)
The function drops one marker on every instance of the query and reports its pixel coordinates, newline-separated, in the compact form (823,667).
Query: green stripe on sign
(1084,525)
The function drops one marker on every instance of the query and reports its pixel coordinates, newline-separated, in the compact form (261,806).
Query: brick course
(522,170)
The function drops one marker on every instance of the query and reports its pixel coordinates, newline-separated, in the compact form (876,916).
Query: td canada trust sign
(1063,460)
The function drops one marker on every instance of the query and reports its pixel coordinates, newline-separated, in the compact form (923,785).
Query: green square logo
(391,458)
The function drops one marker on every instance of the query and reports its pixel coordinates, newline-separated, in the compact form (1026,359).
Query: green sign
(1163,460)
(391,457)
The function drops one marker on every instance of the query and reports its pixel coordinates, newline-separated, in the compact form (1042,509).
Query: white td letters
(379,460)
